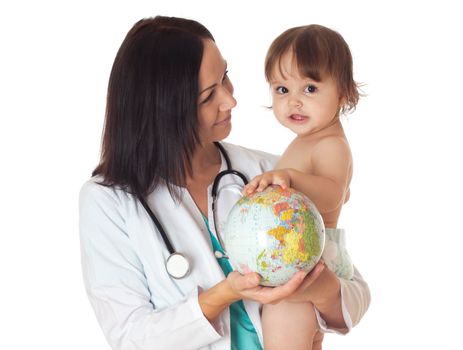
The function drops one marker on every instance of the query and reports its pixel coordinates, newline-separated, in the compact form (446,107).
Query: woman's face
(215,100)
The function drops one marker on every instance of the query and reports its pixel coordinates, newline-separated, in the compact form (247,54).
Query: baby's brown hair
(317,51)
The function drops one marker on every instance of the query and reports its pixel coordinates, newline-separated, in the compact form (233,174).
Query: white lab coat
(123,257)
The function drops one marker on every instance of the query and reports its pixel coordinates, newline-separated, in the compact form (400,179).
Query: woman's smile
(223,121)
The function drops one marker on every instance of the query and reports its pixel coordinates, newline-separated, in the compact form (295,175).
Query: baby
(309,70)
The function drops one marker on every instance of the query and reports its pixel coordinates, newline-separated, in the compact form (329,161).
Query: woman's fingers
(314,273)
(268,295)
(241,282)
(306,291)
(248,287)
(288,288)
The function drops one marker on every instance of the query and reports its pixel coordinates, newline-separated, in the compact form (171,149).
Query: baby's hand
(261,182)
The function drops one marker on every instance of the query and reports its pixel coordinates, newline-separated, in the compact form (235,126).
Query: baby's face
(301,104)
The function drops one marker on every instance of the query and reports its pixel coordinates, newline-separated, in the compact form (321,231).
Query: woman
(169,103)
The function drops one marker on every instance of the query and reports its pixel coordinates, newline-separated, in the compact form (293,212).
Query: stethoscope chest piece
(177,265)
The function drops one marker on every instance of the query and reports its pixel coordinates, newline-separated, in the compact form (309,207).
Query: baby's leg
(289,326)
(317,341)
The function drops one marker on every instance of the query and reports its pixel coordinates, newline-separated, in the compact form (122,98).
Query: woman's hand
(237,286)
(247,287)
(314,288)
(259,183)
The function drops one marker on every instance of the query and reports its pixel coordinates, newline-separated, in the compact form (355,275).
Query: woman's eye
(281,90)
(209,97)
(310,89)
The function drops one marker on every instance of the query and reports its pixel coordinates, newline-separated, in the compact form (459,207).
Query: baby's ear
(342,101)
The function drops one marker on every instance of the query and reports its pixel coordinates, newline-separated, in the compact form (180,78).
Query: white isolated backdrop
(402,220)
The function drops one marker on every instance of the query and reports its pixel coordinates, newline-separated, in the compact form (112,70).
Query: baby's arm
(326,184)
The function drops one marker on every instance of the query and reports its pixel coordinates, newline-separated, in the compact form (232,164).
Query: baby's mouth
(298,117)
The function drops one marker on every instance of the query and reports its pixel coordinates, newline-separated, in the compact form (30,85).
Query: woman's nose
(228,101)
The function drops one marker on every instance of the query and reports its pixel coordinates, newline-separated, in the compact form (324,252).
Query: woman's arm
(118,289)
(340,304)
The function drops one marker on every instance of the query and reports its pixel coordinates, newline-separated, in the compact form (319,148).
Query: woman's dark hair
(151,124)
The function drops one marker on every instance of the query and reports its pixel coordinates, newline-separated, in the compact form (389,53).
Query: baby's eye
(310,89)
(281,90)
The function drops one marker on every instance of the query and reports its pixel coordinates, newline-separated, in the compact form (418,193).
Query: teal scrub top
(243,333)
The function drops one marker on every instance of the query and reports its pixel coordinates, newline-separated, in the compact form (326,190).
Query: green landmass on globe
(275,233)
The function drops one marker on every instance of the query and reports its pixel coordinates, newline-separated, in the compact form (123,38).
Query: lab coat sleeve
(355,300)
(117,288)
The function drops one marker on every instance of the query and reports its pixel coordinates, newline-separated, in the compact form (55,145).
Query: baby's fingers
(263,184)
(251,186)
(282,182)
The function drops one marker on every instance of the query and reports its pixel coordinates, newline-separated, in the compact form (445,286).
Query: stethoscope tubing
(185,270)
(158,225)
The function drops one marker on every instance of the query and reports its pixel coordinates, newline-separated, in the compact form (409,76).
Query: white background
(403,219)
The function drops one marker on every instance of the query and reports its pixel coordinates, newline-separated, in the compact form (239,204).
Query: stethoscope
(177,265)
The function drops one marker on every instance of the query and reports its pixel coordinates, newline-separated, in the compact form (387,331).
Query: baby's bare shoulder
(332,145)
(297,155)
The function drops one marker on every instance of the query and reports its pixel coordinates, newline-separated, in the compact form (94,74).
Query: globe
(275,233)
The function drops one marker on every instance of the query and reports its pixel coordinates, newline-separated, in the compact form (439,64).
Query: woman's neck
(205,166)
(206,160)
